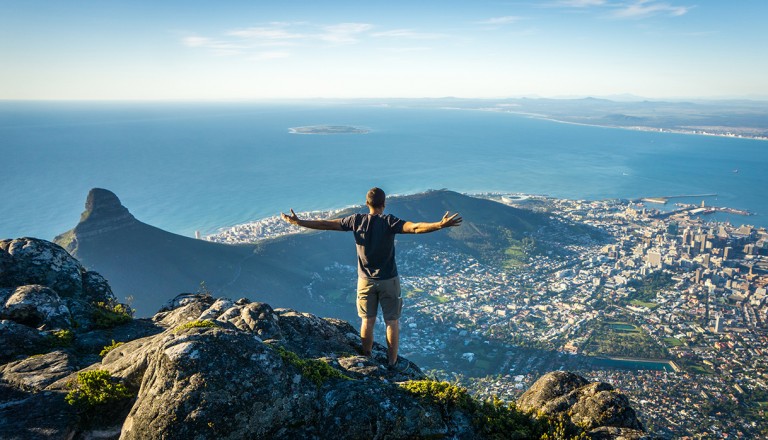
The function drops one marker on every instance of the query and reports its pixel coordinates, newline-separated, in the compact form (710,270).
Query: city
(668,308)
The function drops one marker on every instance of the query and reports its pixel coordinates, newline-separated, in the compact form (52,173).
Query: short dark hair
(375,198)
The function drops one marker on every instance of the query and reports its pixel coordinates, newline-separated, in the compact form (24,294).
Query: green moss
(96,388)
(315,370)
(493,419)
(110,314)
(60,338)
(205,323)
(109,348)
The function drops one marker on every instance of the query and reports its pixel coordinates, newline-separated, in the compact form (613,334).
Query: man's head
(375,199)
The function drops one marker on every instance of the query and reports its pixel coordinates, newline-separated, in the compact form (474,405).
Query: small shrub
(110,347)
(560,429)
(96,388)
(441,393)
(110,314)
(60,338)
(313,369)
(492,419)
(205,323)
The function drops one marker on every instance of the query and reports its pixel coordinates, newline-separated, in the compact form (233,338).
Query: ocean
(202,166)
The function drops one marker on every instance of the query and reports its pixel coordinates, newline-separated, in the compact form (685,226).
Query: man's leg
(366,334)
(367,304)
(393,340)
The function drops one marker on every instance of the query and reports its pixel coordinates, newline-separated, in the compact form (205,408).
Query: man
(378,282)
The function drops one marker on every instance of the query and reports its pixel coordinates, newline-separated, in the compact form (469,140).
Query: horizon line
(612,97)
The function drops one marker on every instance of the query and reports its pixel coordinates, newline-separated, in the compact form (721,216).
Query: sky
(259,49)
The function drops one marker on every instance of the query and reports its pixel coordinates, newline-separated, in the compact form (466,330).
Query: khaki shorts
(372,292)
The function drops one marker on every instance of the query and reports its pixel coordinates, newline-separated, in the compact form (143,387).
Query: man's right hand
(448,221)
(292,219)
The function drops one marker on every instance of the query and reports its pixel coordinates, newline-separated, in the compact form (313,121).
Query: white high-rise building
(718,324)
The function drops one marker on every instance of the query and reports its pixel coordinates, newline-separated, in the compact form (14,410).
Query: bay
(202,166)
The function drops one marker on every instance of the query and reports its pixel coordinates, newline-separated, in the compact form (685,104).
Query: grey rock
(259,319)
(6,267)
(306,333)
(547,389)
(218,383)
(96,288)
(94,341)
(366,410)
(36,416)
(18,340)
(42,285)
(591,406)
(37,372)
(182,309)
(217,308)
(36,261)
(598,404)
(35,306)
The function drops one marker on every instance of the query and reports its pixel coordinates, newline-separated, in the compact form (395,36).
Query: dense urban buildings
(665,305)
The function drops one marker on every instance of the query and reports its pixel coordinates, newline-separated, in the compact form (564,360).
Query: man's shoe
(402,366)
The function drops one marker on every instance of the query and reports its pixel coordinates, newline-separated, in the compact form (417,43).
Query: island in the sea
(328,129)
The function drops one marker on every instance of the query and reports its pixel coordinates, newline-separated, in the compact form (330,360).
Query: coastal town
(668,307)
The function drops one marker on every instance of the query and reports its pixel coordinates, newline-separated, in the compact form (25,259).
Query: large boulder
(41,262)
(35,306)
(218,383)
(214,382)
(594,407)
(42,286)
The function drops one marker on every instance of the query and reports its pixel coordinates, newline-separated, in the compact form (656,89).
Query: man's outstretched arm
(324,225)
(422,227)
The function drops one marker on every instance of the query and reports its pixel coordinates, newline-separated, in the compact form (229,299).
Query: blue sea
(202,166)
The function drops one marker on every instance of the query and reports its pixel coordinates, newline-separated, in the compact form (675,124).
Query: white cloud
(647,8)
(265,33)
(344,33)
(221,48)
(407,33)
(195,41)
(496,21)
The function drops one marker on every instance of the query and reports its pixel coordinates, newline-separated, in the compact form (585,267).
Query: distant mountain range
(151,265)
(732,117)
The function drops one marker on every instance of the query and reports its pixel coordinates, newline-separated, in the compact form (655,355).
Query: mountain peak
(103,213)
(102,204)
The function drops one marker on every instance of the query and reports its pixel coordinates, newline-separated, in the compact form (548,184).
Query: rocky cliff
(75,365)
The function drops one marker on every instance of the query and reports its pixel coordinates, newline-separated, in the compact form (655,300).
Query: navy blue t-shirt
(375,240)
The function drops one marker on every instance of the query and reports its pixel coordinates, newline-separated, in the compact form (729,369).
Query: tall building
(686,236)
(718,324)
(706,311)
